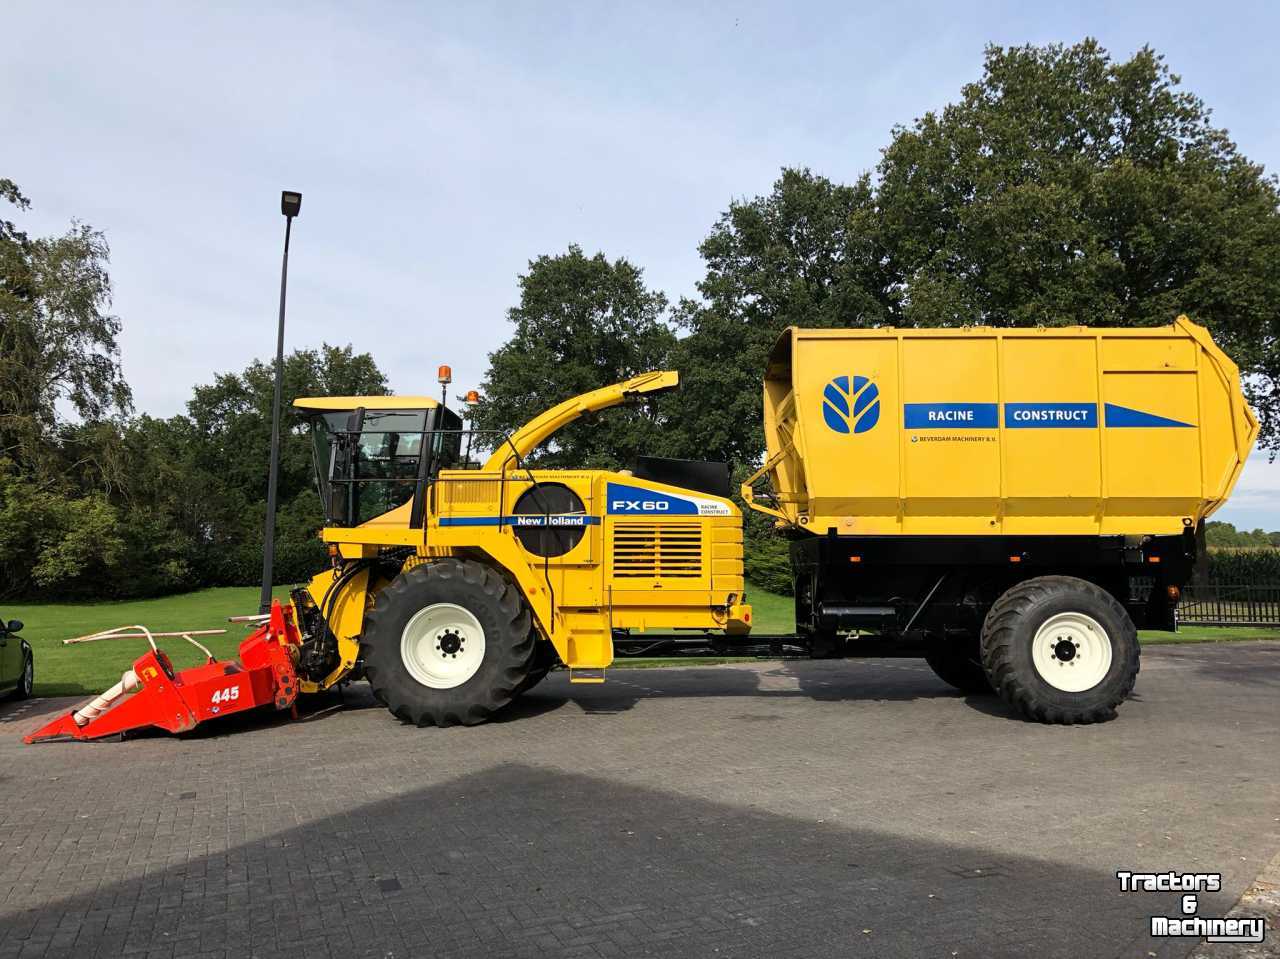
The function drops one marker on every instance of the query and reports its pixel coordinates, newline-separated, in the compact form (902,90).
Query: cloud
(1255,502)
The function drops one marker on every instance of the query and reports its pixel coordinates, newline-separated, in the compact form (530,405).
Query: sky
(439,148)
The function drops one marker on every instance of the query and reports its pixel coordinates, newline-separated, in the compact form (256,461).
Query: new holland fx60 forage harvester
(454,589)
(1009,504)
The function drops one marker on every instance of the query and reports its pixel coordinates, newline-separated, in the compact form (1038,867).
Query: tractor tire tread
(958,663)
(1022,691)
(470,703)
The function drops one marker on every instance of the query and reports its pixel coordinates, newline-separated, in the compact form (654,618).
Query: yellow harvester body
(588,551)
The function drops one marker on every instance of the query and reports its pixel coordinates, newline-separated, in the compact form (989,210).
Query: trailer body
(1015,502)
(988,432)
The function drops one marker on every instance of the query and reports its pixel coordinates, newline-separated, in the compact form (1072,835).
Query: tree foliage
(582,323)
(94,502)
(1226,535)
(1061,188)
(806,255)
(149,505)
(57,340)
(1067,188)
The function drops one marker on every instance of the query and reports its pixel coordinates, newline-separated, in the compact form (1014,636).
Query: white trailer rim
(442,645)
(1071,652)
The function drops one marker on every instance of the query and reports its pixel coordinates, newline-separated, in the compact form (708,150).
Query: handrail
(502,501)
(748,493)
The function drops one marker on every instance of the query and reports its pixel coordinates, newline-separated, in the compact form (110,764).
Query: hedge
(1244,566)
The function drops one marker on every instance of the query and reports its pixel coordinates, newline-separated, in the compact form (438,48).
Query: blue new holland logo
(851,407)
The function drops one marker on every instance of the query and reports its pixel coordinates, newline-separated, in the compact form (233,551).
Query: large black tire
(507,638)
(826,645)
(1011,629)
(958,663)
(544,659)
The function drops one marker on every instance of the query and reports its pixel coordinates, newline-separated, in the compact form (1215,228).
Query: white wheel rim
(27,676)
(442,646)
(1071,652)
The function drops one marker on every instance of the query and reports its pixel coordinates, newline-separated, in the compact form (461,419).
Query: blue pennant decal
(1121,416)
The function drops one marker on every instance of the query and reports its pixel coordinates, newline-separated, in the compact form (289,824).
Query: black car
(17,667)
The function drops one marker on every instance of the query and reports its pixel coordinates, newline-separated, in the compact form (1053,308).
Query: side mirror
(15,626)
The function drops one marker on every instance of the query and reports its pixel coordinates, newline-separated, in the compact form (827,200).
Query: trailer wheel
(1060,650)
(958,663)
(447,643)
(826,645)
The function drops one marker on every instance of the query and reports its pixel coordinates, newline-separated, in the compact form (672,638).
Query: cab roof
(333,404)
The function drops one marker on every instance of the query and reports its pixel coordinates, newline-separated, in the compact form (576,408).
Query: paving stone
(767,809)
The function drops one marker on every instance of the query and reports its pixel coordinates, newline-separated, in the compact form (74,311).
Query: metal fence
(1217,605)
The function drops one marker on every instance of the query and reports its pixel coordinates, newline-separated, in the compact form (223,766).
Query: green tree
(1066,188)
(57,339)
(582,323)
(58,355)
(808,254)
(1226,535)
(54,541)
(227,433)
(1061,188)
(179,503)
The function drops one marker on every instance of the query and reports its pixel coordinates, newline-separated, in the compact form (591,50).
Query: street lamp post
(290,205)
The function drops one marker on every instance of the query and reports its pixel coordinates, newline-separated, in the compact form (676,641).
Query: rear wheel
(958,663)
(447,643)
(1060,650)
(826,645)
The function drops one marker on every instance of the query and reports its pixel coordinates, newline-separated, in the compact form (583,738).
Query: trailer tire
(826,644)
(1041,630)
(420,625)
(958,663)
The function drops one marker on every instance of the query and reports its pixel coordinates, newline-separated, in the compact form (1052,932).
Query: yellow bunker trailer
(1016,501)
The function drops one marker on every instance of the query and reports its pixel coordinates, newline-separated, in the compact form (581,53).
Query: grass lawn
(1205,634)
(89,668)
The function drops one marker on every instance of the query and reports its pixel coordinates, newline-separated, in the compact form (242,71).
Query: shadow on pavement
(833,681)
(525,861)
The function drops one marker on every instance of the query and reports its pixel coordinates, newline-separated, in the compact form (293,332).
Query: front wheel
(1060,650)
(447,643)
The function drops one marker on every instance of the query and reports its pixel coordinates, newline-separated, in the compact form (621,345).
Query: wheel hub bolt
(449,643)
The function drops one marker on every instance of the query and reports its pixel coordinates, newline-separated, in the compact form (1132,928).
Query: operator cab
(375,453)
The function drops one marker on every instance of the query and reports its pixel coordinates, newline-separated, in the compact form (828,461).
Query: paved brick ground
(782,809)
